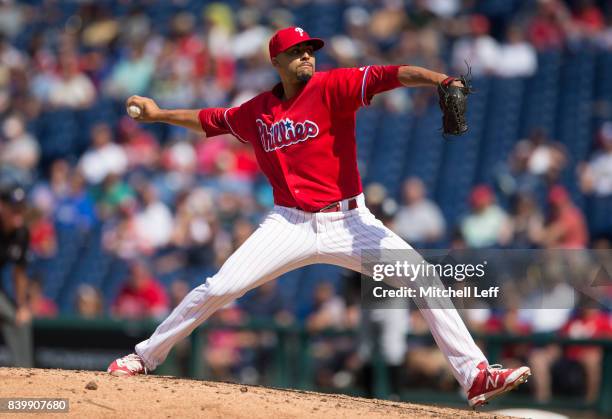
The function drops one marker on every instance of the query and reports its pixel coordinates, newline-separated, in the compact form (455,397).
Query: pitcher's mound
(99,395)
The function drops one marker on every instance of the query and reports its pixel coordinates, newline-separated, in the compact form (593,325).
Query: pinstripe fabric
(346,238)
(288,239)
(283,242)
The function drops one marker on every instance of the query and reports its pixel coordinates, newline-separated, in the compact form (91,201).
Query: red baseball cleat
(493,380)
(130,364)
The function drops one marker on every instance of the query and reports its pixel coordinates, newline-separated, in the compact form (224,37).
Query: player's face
(297,64)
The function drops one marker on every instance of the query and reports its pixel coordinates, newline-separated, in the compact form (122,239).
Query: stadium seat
(541,95)
(460,158)
(502,125)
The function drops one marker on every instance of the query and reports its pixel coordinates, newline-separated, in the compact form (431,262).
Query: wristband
(448,81)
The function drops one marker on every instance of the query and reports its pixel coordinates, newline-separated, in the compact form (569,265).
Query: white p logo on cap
(300,30)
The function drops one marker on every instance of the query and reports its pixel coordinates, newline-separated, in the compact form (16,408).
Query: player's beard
(304,77)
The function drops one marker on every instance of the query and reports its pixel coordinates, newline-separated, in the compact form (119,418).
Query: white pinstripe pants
(288,239)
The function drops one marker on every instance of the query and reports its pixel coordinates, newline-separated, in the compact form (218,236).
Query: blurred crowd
(166,200)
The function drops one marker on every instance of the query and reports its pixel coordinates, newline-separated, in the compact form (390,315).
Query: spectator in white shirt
(104,158)
(73,89)
(479,49)
(154,222)
(252,37)
(21,150)
(418,219)
(517,57)
(487,224)
(10,57)
(443,8)
(596,175)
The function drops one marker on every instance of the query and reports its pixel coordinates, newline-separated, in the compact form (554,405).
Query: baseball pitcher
(303,135)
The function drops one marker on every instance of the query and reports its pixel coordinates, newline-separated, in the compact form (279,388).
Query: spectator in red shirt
(548,27)
(589,323)
(588,18)
(142,296)
(40,305)
(566,228)
(43,240)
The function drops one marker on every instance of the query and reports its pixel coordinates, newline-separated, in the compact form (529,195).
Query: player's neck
(290,90)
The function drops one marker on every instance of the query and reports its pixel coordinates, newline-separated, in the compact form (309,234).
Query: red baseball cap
(288,37)
(558,195)
(481,195)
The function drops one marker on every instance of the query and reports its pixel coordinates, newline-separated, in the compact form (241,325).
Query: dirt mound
(97,394)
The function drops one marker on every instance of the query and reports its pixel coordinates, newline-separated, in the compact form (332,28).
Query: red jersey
(149,301)
(595,324)
(575,231)
(306,145)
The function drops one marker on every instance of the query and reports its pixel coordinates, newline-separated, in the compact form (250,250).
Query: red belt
(336,207)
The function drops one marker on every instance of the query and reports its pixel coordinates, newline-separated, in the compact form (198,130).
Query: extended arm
(412,76)
(187,118)
(452,92)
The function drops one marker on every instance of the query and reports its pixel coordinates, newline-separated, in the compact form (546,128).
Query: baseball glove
(453,103)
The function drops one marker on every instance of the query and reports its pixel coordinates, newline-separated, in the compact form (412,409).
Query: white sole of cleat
(118,373)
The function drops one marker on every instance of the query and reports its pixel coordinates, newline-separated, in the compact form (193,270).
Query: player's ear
(275,62)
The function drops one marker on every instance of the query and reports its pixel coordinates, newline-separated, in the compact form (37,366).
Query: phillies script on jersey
(306,145)
(284,133)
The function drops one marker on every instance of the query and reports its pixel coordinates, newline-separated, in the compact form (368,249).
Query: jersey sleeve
(350,88)
(219,121)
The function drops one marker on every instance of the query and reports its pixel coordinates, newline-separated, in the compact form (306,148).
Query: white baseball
(134,111)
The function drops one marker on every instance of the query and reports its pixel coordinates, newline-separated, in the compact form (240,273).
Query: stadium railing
(292,360)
